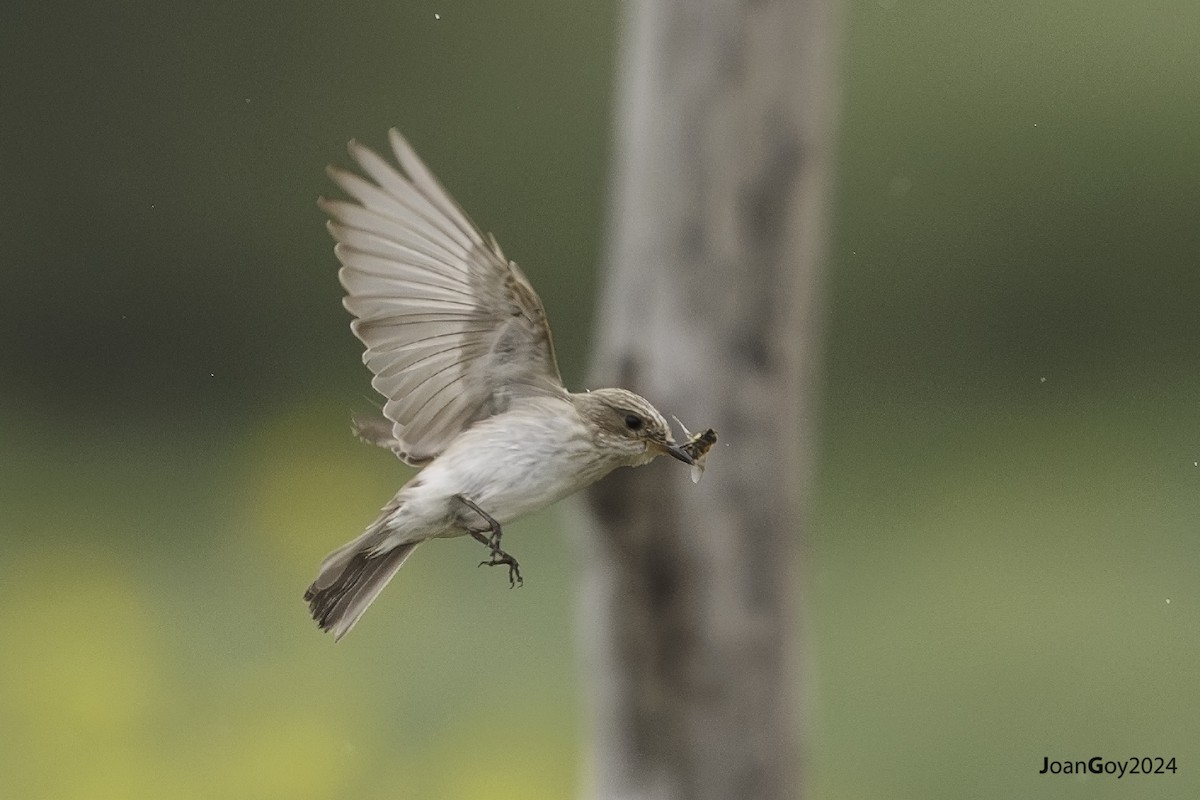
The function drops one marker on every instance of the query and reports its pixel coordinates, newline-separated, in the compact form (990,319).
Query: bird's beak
(676,451)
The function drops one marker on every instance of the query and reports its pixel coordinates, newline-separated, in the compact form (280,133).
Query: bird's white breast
(509,465)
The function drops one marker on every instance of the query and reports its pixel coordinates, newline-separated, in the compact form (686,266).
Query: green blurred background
(1002,560)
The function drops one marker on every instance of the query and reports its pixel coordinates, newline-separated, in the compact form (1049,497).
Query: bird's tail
(350,579)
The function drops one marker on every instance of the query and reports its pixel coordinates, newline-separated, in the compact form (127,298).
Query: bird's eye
(633,422)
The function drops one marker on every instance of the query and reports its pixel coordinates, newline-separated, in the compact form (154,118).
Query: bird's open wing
(453,330)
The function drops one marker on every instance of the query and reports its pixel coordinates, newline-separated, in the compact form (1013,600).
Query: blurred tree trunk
(708,309)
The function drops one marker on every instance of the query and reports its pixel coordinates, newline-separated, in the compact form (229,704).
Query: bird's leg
(493,543)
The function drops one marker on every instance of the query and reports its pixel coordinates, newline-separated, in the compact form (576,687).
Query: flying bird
(460,348)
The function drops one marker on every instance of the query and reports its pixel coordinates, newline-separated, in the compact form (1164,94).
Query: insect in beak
(696,448)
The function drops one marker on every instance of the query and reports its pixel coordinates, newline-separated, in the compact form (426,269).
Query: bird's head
(627,426)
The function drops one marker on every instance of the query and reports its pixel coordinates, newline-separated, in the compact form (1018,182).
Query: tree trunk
(708,308)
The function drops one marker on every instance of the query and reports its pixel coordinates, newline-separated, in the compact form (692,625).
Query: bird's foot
(514,569)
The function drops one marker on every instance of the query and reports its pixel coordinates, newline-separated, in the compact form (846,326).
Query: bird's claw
(514,569)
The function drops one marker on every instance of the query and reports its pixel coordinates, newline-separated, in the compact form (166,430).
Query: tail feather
(349,582)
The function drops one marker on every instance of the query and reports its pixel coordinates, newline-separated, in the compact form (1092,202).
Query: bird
(459,346)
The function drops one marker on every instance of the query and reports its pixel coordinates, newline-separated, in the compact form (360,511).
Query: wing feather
(394,258)
(454,332)
(406,215)
(428,185)
(354,216)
